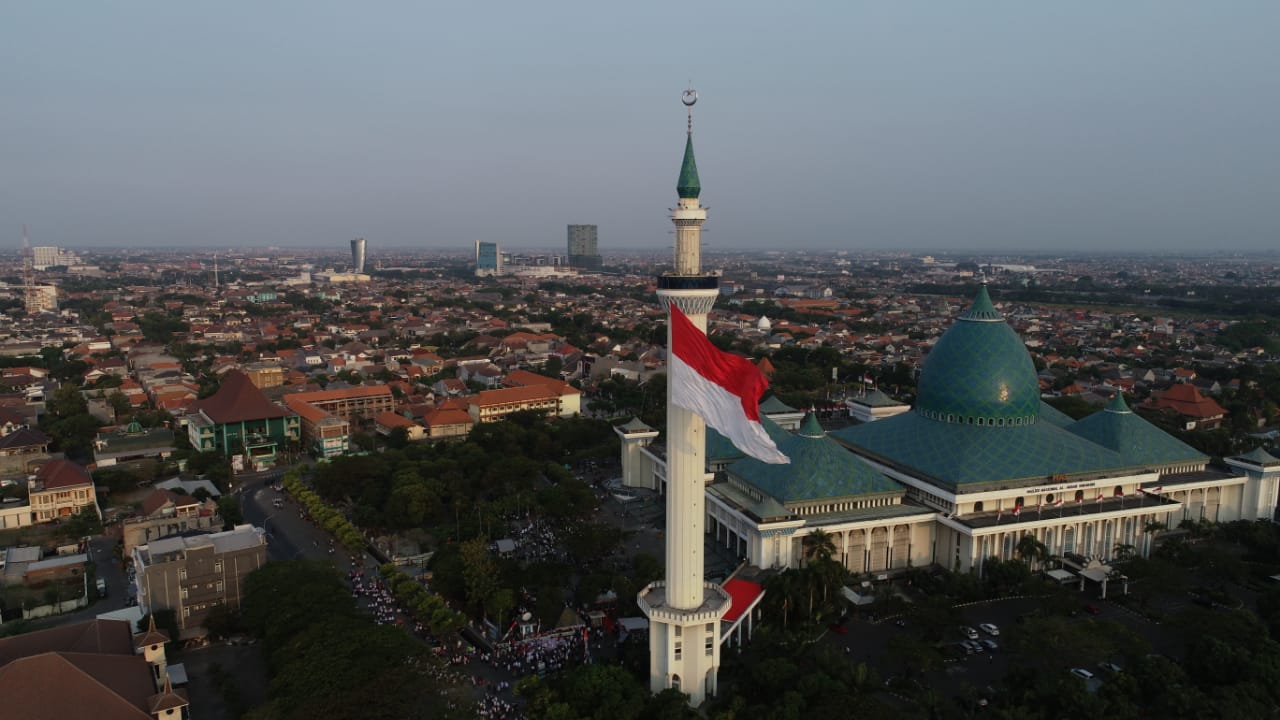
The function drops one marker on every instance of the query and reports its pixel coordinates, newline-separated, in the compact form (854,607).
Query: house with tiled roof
(20,448)
(494,405)
(97,668)
(447,422)
(388,421)
(59,490)
(239,419)
(1185,400)
(570,402)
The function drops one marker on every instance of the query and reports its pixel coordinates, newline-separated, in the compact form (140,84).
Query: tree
(818,545)
(1031,551)
(479,571)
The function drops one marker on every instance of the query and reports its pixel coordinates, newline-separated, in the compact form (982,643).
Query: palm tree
(819,544)
(1031,551)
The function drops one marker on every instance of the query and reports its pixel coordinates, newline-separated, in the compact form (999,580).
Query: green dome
(979,372)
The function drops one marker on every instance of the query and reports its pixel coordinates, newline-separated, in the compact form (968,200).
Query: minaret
(684,611)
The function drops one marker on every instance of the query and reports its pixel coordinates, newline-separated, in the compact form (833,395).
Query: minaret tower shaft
(684,611)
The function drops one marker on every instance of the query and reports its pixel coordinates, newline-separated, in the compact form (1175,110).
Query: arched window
(675,681)
(977,507)
(1018,501)
(1119,491)
(1079,495)
(980,420)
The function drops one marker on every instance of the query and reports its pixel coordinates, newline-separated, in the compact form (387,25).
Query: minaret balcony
(688,282)
(653,598)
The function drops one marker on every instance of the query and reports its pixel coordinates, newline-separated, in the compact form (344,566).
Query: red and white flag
(1017,510)
(1099,497)
(1058,503)
(1156,490)
(723,389)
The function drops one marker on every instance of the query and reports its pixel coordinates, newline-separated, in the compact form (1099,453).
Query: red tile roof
(63,474)
(238,400)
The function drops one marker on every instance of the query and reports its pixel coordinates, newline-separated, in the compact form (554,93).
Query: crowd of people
(377,596)
(542,654)
(536,541)
(494,707)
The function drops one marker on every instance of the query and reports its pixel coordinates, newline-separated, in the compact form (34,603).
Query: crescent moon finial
(689,97)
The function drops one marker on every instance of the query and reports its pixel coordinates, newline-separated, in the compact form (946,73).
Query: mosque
(979,462)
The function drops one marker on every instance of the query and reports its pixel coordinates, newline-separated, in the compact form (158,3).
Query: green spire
(981,309)
(810,427)
(688,185)
(1117,404)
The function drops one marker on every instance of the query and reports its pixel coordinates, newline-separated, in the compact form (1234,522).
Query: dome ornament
(689,97)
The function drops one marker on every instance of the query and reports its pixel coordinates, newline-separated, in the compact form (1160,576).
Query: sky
(896,125)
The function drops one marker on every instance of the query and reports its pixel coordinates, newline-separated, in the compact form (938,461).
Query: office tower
(357,255)
(488,259)
(584,249)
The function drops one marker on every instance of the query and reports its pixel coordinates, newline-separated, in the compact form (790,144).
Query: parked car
(1082,673)
(991,645)
(970,633)
(977,646)
(102,587)
(1110,667)
(989,629)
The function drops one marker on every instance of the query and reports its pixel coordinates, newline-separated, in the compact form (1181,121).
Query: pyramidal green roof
(688,186)
(876,398)
(773,406)
(819,468)
(1118,428)
(1258,456)
(635,425)
(720,447)
(952,455)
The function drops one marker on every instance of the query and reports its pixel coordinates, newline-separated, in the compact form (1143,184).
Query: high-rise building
(584,251)
(46,256)
(488,259)
(357,255)
(684,611)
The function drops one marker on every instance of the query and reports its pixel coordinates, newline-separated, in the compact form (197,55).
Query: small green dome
(979,372)
(688,186)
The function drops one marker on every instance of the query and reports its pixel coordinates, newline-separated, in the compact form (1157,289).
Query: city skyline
(1015,129)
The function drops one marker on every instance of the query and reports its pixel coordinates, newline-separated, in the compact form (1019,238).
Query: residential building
(95,667)
(22,448)
(59,490)
(494,405)
(193,574)
(166,513)
(324,435)
(238,419)
(132,442)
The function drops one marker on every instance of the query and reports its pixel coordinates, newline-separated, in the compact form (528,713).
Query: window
(186,612)
(182,573)
(677,651)
(219,586)
(184,593)
(977,507)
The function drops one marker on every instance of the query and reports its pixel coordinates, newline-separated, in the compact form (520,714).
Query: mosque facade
(977,463)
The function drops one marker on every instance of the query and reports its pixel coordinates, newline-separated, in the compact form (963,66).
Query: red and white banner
(723,389)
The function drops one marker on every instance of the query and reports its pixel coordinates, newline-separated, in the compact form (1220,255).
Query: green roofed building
(977,463)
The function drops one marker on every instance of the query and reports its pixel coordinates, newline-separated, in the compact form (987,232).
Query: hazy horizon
(1013,128)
